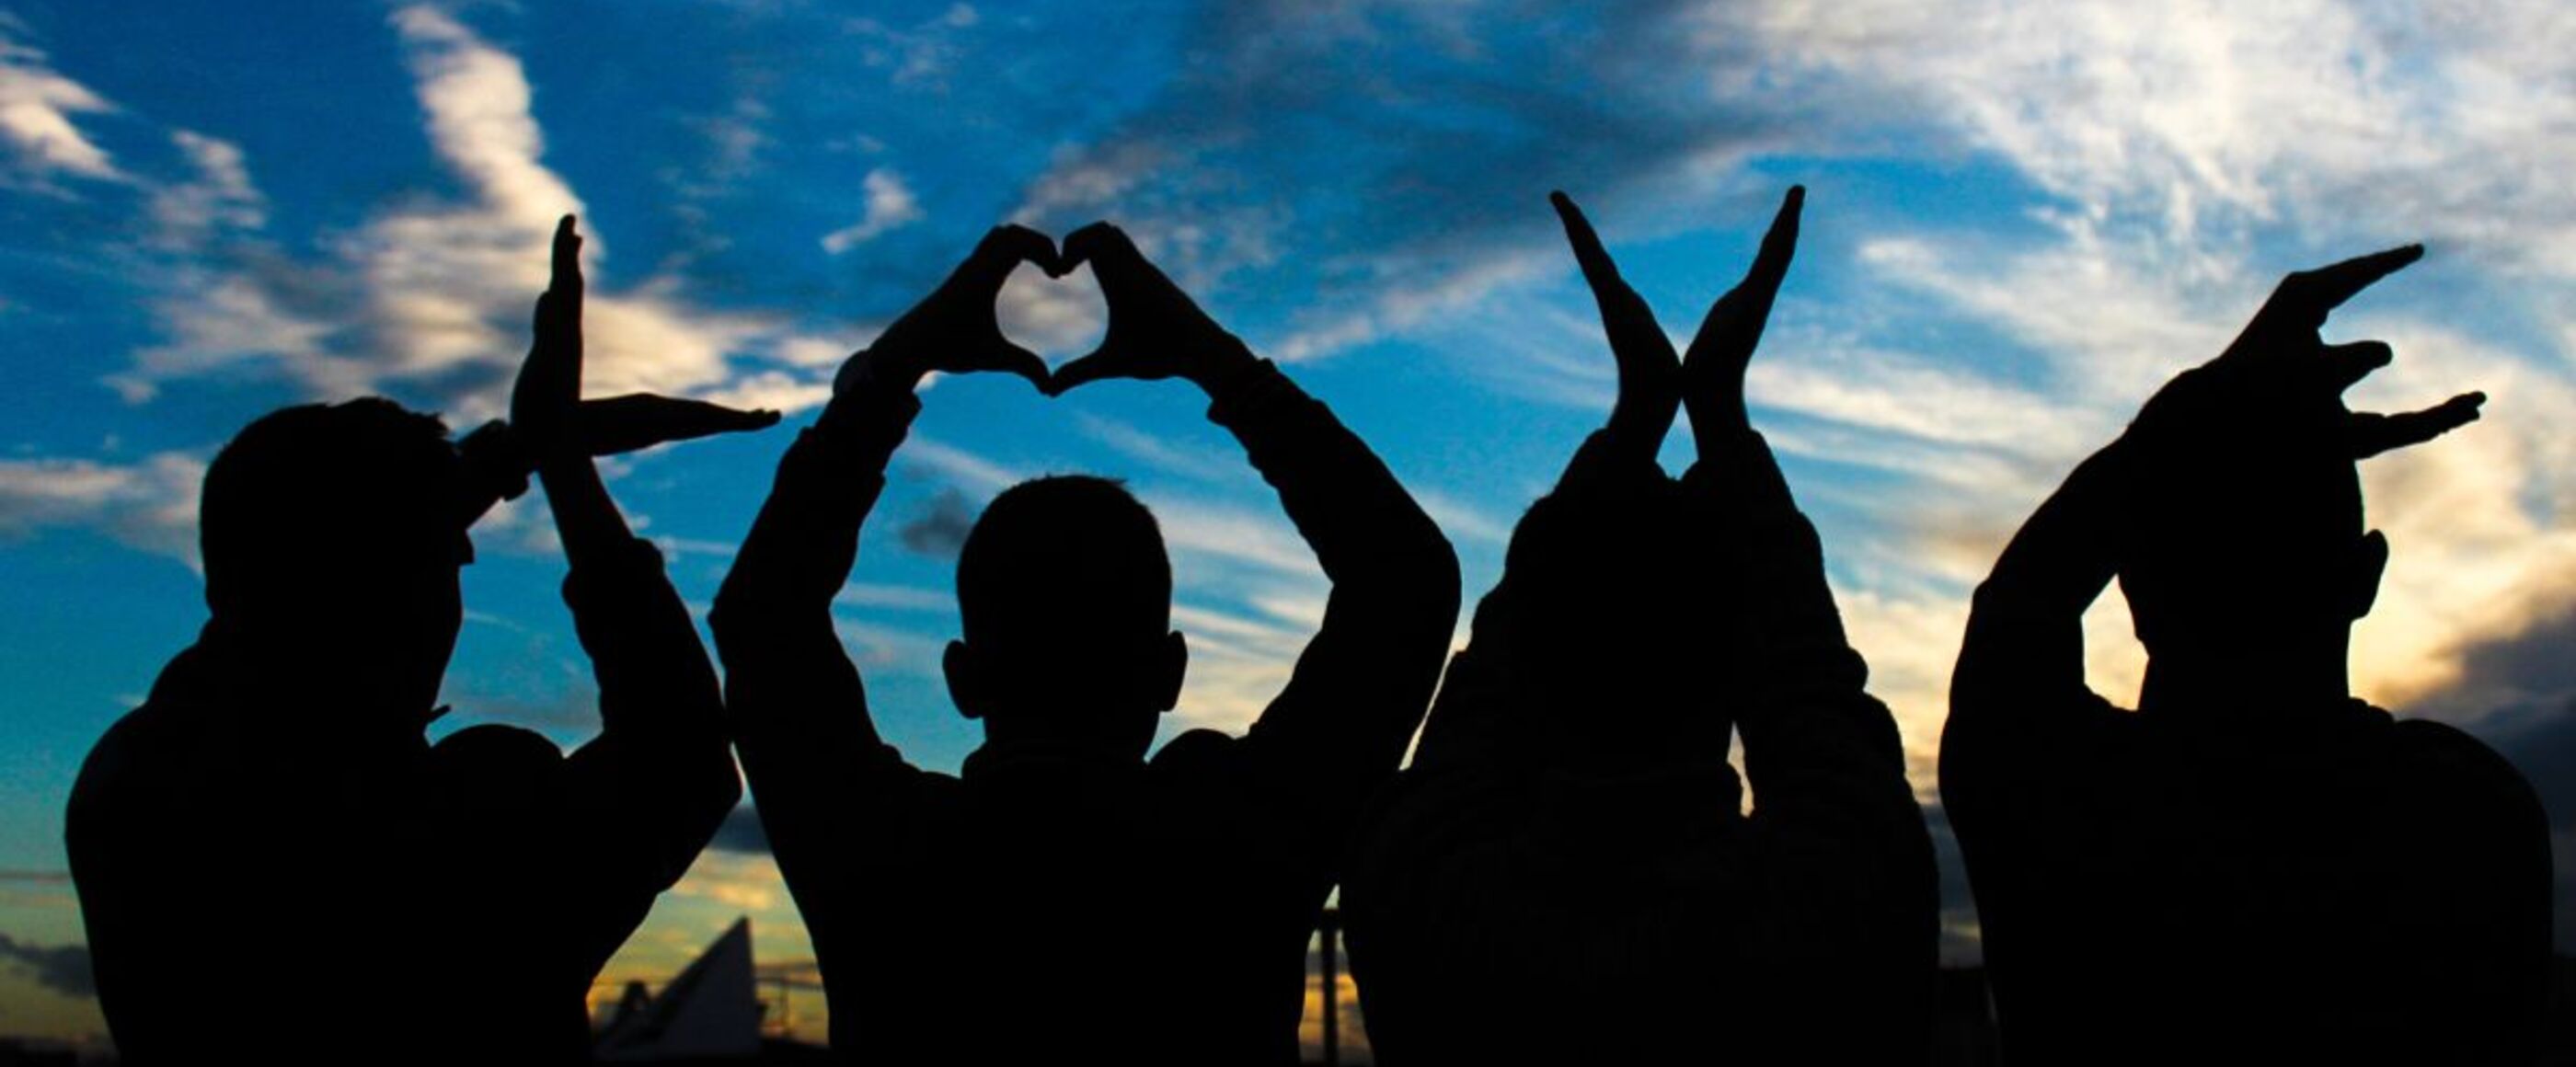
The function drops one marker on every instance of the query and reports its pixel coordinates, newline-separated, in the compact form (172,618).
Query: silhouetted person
(1565,874)
(2254,860)
(1062,892)
(276,866)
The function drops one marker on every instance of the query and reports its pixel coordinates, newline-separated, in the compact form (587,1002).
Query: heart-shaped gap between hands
(1060,319)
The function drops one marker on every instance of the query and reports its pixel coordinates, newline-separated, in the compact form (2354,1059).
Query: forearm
(660,772)
(1817,747)
(794,703)
(586,517)
(1369,535)
(806,538)
(2025,637)
(1361,686)
(1769,556)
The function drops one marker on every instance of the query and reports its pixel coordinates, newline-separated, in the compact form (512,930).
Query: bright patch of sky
(2022,218)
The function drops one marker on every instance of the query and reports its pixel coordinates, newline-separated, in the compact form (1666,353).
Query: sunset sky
(2022,218)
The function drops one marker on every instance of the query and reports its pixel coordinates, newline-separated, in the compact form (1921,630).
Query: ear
(965,687)
(2370,561)
(1173,664)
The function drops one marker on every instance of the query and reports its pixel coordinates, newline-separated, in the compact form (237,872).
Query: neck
(303,685)
(2240,678)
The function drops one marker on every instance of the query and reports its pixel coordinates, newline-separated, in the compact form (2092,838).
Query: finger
(2305,297)
(1779,244)
(567,255)
(1099,241)
(1735,321)
(641,420)
(1625,319)
(2344,366)
(2369,434)
(1010,358)
(1599,271)
(1007,246)
(559,310)
(1101,363)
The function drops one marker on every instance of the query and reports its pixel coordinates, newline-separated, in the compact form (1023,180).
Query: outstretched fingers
(641,420)
(1599,271)
(2305,298)
(2344,366)
(1636,340)
(2368,434)
(549,382)
(1733,325)
(1779,244)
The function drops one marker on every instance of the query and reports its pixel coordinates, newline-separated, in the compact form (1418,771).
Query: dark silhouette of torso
(1634,907)
(2254,864)
(2341,887)
(1053,903)
(262,881)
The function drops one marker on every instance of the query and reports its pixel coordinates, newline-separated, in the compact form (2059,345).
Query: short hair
(1613,614)
(1064,565)
(322,494)
(2240,528)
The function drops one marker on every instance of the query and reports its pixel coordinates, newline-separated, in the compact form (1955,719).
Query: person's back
(1570,835)
(274,863)
(1063,894)
(2253,858)
(1062,904)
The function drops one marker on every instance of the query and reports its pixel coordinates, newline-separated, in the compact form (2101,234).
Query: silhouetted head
(1066,597)
(2247,545)
(1611,631)
(331,532)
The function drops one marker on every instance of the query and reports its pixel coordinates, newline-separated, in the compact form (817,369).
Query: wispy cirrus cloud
(430,298)
(150,504)
(38,108)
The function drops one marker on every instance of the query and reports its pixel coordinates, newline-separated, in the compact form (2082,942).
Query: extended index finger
(567,256)
(1598,269)
(1779,245)
(2306,297)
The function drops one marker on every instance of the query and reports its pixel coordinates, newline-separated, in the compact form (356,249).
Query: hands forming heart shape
(1155,330)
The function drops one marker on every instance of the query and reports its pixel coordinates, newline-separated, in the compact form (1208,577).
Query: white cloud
(150,505)
(37,105)
(220,197)
(890,206)
(1052,316)
(441,291)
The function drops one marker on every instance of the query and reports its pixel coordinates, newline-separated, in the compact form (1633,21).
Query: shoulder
(119,758)
(2456,770)
(1195,750)
(495,749)
(153,749)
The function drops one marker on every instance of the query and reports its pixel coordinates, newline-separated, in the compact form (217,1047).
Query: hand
(548,391)
(1649,372)
(1713,369)
(1710,377)
(637,421)
(954,330)
(548,417)
(1155,330)
(2279,371)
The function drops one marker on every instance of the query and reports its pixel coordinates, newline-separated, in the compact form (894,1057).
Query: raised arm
(652,788)
(1361,686)
(794,702)
(2020,686)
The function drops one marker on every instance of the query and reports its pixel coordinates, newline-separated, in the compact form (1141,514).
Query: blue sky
(2022,218)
